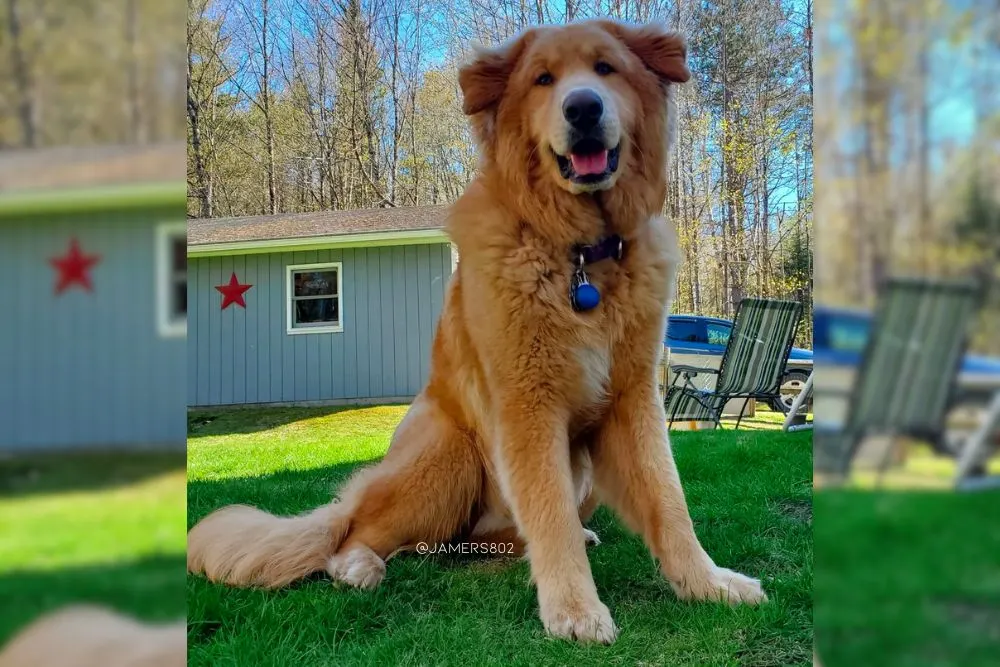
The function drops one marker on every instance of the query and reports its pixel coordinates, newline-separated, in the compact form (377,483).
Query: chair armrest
(693,370)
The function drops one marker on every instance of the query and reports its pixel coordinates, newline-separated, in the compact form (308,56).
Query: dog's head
(582,104)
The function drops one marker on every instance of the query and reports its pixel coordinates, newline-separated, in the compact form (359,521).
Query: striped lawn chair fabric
(905,381)
(690,405)
(752,364)
(758,348)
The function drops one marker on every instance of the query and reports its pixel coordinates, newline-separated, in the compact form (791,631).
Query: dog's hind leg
(424,490)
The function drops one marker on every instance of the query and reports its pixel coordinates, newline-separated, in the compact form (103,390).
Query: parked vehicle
(697,340)
(839,339)
(840,335)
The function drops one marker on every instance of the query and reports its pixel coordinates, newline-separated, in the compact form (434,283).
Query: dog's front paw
(583,622)
(722,585)
(590,538)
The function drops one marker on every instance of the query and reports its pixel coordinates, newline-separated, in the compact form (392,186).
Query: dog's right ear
(484,78)
(662,52)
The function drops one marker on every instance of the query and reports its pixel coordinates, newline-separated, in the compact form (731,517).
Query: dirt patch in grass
(196,422)
(800,510)
(979,618)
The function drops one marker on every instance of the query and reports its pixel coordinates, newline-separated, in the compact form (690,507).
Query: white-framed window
(314,298)
(171,279)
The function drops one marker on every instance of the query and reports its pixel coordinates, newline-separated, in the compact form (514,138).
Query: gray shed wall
(391,300)
(87,369)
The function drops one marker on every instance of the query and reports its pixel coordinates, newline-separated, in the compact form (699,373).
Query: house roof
(77,178)
(95,166)
(302,228)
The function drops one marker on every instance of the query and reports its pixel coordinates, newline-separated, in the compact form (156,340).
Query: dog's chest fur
(593,364)
(635,295)
(593,372)
(576,354)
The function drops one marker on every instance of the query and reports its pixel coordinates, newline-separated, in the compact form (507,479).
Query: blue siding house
(336,307)
(92,268)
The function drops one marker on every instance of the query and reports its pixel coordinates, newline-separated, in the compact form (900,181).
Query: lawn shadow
(150,588)
(38,474)
(285,492)
(203,422)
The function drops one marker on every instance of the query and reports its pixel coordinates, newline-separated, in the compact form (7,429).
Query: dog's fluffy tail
(244,546)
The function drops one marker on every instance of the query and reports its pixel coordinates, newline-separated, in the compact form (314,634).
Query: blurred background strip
(92,317)
(907,354)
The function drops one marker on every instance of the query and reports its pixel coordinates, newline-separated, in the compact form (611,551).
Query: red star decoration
(74,268)
(233,292)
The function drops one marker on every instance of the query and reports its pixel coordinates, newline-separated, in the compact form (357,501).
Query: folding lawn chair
(977,449)
(905,383)
(797,405)
(752,364)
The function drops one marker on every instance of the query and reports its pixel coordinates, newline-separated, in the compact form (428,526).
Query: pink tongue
(592,163)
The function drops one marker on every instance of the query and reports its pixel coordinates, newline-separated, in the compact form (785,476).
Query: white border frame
(165,232)
(289,291)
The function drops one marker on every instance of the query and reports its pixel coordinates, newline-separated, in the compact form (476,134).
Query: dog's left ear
(662,51)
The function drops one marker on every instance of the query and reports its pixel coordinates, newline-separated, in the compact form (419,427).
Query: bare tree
(22,76)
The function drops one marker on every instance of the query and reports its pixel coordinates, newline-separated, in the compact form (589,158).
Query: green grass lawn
(751,499)
(103,528)
(907,577)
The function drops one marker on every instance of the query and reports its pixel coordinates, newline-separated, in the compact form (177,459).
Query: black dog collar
(609,247)
(582,295)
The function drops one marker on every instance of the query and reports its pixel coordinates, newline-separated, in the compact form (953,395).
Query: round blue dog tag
(586,297)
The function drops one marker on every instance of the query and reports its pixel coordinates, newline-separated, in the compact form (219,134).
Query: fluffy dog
(535,411)
(84,636)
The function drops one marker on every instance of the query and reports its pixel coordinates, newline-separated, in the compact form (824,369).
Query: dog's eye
(544,79)
(603,68)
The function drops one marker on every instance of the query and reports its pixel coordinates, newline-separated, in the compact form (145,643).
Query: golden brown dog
(534,412)
(86,636)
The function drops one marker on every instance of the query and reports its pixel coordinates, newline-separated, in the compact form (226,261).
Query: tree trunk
(203,186)
(136,134)
(272,201)
(22,78)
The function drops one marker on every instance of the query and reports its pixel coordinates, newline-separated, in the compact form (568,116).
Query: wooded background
(302,105)
(90,72)
(908,148)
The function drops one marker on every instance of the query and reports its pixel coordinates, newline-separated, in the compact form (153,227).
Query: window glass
(687,331)
(171,279)
(315,301)
(316,283)
(178,278)
(718,334)
(848,334)
(180,299)
(316,311)
(179,250)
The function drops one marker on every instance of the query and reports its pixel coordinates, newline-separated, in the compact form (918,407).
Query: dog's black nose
(583,108)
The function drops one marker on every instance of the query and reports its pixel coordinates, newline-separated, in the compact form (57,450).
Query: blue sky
(436,53)
(955,70)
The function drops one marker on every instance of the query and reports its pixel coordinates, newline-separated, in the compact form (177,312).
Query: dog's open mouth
(588,162)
